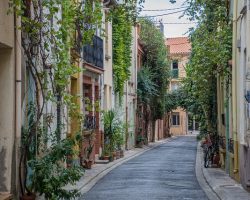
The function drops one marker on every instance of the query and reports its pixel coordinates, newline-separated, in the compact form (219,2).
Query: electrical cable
(163,14)
(164,9)
(177,23)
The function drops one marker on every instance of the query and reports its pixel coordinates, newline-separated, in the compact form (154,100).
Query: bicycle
(210,147)
(207,152)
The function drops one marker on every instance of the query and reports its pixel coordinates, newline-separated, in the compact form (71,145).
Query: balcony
(89,123)
(93,53)
(175,73)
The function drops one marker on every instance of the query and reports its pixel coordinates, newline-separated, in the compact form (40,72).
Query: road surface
(165,172)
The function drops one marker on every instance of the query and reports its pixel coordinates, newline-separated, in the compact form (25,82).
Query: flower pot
(114,155)
(117,154)
(216,159)
(28,197)
(88,164)
(140,144)
(111,158)
(105,157)
(121,153)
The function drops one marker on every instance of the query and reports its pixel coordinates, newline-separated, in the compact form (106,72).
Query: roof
(179,45)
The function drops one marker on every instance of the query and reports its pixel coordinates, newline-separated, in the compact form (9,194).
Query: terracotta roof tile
(179,45)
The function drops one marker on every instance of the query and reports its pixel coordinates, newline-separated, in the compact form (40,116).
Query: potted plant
(42,167)
(110,128)
(88,151)
(88,161)
(140,141)
(28,196)
(119,142)
(105,154)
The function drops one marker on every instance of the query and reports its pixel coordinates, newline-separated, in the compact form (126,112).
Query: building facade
(179,50)
(238,165)
(10,103)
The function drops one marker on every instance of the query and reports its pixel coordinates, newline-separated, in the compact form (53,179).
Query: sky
(170,30)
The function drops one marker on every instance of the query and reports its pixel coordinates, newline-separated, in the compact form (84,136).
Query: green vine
(51,29)
(211,51)
(122,41)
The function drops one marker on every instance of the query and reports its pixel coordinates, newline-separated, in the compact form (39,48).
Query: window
(175,64)
(175,119)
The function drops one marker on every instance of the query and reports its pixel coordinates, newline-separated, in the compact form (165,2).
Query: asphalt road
(166,172)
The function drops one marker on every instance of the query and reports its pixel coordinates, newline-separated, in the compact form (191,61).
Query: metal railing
(93,53)
(89,122)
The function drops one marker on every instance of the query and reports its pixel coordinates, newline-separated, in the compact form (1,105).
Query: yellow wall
(7,101)
(182,128)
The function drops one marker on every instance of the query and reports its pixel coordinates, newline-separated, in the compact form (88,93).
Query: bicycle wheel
(207,158)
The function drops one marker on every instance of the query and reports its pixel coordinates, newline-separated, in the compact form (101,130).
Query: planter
(121,153)
(216,159)
(105,157)
(111,158)
(114,155)
(28,197)
(118,154)
(88,164)
(140,144)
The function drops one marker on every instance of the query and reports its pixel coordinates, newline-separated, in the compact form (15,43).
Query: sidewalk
(216,183)
(92,176)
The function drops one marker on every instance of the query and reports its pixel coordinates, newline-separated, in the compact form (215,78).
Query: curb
(87,186)
(201,177)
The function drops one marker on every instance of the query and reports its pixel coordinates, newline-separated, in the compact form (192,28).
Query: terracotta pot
(105,157)
(216,159)
(140,144)
(121,153)
(118,154)
(111,158)
(114,155)
(88,164)
(28,197)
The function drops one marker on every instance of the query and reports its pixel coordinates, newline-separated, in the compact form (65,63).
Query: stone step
(101,161)
(5,196)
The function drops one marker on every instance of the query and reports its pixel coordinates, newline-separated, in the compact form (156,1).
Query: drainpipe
(126,104)
(227,134)
(234,87)
(18,85)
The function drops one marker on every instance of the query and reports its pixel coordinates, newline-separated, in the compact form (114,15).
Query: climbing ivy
(211,51)
(122,41)
(51,31)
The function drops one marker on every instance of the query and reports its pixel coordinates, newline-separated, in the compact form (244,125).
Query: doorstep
(6,196)
(101,161)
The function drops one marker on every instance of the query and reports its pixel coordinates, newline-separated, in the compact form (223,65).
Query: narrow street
(166,172)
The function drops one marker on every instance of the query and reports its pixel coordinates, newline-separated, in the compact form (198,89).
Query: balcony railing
(89,122)
(93,53)
(175,73)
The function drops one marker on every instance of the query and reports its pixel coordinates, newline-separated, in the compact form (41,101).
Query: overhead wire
(177,23)
(155,10)
(163,14)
